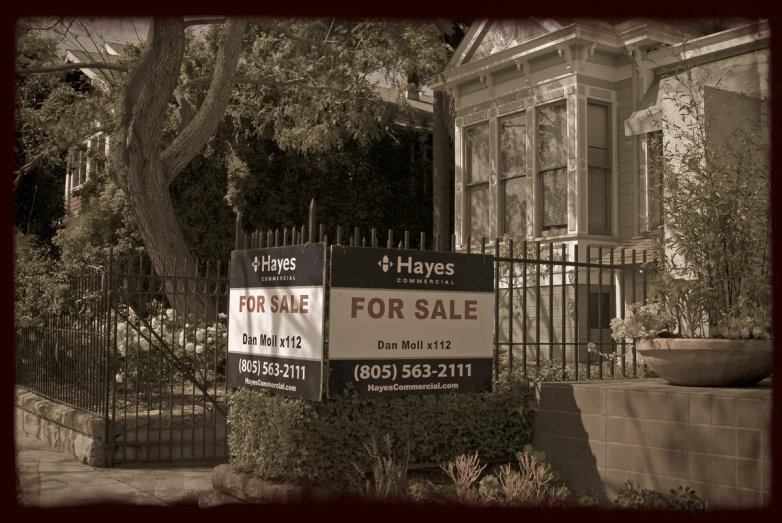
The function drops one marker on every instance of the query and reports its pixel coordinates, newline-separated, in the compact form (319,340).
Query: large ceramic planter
(697,362)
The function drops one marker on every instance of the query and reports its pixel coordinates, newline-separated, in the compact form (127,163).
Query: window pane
(599,185)
(600,311)
(479,211)
(597,135)
(477,142)
(516,206)
(513,146)
(555,199)
(597,126)
(552,136)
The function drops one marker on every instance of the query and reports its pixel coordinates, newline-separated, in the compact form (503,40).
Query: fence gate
(168,344)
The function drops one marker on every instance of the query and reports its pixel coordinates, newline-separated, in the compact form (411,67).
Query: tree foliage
(294,86)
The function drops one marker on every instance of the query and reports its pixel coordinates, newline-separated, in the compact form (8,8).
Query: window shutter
(516,206)
(479,210)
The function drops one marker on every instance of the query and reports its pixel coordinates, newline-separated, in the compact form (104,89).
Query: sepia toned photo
(518,263)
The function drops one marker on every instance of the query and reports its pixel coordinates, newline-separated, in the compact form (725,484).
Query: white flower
(155,323)
(144,330)
(122,327)
(119,377)
(187,325)
(182,338)
(224,335)
(121,347)
(199,349)
(200,335)
(190,346)
(210,330)
(144,345)
(222,315)
(170,314)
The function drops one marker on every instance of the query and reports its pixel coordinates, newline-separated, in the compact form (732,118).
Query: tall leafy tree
(312,79)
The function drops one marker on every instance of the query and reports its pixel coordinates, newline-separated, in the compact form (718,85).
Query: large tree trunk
(441,202)
(138,165)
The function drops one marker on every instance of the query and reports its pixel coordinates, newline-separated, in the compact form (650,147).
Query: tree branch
(204,21)
(193,137)
(282,30)
(267,83)
(71,67)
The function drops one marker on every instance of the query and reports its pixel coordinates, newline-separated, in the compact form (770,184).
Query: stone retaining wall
(76,432)
(153,436)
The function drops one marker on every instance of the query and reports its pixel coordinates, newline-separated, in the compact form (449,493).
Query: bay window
(513,170)
(477,180)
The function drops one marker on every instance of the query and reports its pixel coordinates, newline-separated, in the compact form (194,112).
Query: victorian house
(553,121)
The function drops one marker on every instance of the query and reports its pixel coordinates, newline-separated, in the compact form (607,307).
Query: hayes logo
(409,266)
(385,264)
(267,263)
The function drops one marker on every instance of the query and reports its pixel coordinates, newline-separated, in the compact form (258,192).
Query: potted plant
(708,323)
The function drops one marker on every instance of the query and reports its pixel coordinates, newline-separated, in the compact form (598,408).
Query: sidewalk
(51,478)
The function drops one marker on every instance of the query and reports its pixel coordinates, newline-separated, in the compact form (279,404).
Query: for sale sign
(410,322)
(275,324)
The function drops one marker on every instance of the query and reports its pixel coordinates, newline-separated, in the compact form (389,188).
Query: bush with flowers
(165,344)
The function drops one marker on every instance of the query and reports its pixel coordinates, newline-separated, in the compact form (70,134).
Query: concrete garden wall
(717,441)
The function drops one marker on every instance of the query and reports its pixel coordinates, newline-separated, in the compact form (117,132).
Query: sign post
(410,322)
(275,321)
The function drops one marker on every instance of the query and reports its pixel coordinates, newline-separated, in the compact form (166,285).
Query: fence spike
(407,240)
(423,241)
(339,235)
(312,221)
(374,237)
(390,239)
(400,244)
(237,238)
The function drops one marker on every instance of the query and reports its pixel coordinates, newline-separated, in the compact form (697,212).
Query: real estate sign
(410,322)
(275,321)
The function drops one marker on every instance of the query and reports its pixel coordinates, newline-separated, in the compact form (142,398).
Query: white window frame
(538,172)
(610,168)
(525,171)
(467,186)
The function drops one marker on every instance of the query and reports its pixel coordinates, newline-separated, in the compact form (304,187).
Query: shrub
(388,476)
(530,482)
(630,496)
(289,440)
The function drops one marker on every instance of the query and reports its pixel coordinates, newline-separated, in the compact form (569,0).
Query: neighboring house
(553,119)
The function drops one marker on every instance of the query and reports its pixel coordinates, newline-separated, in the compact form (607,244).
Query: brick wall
(715,440)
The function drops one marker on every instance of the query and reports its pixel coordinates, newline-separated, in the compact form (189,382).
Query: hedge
(287,440)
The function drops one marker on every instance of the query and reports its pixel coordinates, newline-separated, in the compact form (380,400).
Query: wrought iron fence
(145,351)
(553,303)
(145,347)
